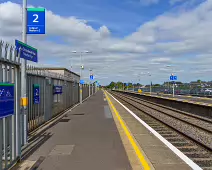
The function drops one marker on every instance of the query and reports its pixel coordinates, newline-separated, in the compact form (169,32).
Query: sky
(128,39)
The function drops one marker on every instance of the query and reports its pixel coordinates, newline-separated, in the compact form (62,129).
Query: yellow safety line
(132,141)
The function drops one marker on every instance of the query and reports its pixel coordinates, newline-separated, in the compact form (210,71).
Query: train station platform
(101,135)
(186,98)
(85,139)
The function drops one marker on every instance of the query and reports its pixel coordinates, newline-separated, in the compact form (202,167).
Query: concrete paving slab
(148,140)
(94,135)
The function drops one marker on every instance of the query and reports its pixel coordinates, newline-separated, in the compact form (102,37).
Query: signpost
(91,77)
(82,82)
(27,52)
(6,99)
(36,93)
(36,21)
(173,78)
(58,90)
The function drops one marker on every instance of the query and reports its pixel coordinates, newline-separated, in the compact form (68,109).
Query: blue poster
(6,99)
(36,94)
(58,90)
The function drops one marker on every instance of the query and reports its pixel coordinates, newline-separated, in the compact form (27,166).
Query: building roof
(60,68)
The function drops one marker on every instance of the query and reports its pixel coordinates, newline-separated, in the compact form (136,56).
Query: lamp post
(81,68)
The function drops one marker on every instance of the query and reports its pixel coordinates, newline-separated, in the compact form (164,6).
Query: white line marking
(168,144)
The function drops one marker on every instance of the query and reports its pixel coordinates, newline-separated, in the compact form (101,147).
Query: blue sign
(36,94)
(36,21)
(91,77)
(173,78)
(82,82)
(27,52)
(58,90)
(6,99)
(127,84)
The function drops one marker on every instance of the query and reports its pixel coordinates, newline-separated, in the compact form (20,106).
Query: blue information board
(27,52)
(91,77)
(36,94)
(82,82)
(36,21)
(6,99)
(58,90)
(173,78)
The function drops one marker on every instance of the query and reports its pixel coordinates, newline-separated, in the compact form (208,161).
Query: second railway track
(189,133)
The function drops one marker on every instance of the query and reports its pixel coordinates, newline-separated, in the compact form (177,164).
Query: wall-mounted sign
(27,52)
(82,82)
(6,99)
(36,93)
(58,90)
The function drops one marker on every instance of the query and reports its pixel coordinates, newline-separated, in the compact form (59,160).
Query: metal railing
(11,132)
(50,104)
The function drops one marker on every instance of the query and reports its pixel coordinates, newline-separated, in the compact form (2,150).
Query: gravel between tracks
(172,119)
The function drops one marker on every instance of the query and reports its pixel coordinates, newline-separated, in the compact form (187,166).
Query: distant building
(64,72)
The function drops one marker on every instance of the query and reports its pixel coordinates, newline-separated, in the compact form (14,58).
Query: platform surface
(185,98)
(86,139)
(156,153)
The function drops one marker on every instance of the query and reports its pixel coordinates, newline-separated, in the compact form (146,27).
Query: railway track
(191,134)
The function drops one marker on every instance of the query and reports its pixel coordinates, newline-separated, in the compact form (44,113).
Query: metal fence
(85,91)
(41,108)
(49,104)
(178,89)
(10,131)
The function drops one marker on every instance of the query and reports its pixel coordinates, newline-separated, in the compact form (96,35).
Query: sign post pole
(173,90)
(173,78)
(23,75)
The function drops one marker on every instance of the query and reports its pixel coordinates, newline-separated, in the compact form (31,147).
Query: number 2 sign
(35,21)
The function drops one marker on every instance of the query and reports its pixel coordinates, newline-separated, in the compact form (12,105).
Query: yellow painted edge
(185,100)
(24,101)
(133,143)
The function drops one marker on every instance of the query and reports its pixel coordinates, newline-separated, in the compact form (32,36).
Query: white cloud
(180,38)
(160,59)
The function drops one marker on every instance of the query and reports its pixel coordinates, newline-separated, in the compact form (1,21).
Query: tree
(199,81)
(111,85)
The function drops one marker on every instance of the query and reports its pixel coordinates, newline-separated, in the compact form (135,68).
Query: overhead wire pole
(24,100)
